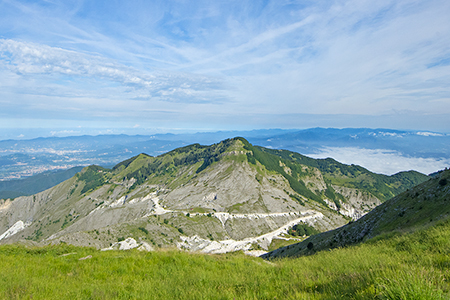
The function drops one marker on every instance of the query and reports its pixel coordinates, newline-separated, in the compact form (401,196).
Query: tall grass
(413,266)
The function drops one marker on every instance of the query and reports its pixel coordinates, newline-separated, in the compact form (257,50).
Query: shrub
(143,230)
(302,229)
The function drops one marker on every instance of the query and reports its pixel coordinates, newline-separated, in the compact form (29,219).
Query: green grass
(410,266)
(278,243)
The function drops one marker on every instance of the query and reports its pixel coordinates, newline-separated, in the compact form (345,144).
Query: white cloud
(64,133)
(429,133)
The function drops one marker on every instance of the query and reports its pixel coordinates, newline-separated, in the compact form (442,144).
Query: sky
(172,66)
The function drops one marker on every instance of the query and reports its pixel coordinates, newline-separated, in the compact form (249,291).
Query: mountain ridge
(229,191)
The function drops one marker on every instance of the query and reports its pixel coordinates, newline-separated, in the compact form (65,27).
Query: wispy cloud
(32,59)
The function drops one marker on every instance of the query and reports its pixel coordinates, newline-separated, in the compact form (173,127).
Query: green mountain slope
(224,197)
(291,165)
(417,208)
(381,186)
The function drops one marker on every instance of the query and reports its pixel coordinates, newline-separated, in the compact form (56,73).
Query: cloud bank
(382,161)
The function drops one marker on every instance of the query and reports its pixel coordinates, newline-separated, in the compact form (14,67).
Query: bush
(143,230)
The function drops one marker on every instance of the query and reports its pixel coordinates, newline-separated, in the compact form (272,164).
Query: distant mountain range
(225,197)
(22,158)
(409,143)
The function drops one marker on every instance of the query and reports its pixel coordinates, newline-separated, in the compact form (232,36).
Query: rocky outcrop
(16,228)
(128,244)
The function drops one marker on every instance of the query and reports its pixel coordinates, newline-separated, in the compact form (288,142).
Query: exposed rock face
(128,244)
(16,228)
(196,243)
(357,204)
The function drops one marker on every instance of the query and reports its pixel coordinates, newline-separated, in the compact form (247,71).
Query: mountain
(415,209)
(224,197)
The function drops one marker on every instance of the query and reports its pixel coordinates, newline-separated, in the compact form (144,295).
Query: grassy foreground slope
(410,266)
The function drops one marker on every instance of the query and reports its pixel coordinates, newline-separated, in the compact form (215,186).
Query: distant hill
(35,184)
(417,208)
(224,197)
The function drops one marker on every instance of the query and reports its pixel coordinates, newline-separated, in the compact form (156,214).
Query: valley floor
(398,266)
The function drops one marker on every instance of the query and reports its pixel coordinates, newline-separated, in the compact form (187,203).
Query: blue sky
(168,66)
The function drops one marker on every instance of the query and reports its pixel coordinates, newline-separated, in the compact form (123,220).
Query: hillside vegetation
(381,186)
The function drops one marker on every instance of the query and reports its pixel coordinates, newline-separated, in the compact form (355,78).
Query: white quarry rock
(128,244)
(119,202)
(255,253)
(17,227)
(145,247)
(196,243)
(210,197)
